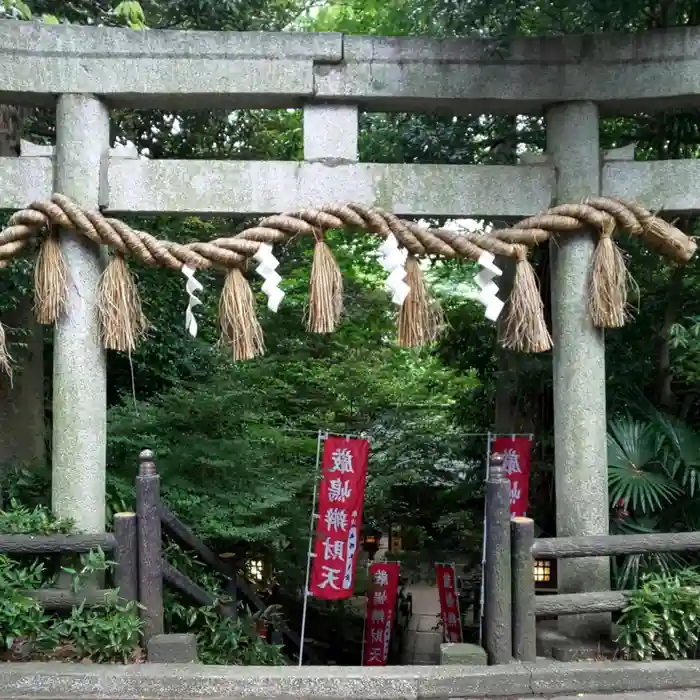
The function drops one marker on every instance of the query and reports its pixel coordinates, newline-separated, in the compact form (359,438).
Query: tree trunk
(22,430)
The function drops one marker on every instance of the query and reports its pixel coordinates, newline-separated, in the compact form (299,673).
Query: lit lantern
(542,571)
(256,570)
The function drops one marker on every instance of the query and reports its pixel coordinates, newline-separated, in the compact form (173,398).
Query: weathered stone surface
(175,68)
(257,187)
(644,695)
(80,374)
(578,367)
(49,681)
(462,654)
(671,185)
(331,133)
(623,73)
(24,180)
(172,648)
(615,677)
(215,187)
(468,75)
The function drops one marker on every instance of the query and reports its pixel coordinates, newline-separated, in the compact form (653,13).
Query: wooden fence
(511,607)
(155,519)
(141,570)
(123,545)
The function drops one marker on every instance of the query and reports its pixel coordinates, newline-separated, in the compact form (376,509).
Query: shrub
(112,631)
(107,632)
(662,619)
(220,639)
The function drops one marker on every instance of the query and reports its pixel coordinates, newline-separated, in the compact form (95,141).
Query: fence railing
(122,544)
(154,518)
(511,607)
(140,569)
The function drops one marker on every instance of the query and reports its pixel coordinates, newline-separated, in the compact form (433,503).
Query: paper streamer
(267,269)
(394,261)
(488,296)
(192,286)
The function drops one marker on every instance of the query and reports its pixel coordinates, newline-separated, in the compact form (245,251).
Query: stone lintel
(622,73)
(266,187)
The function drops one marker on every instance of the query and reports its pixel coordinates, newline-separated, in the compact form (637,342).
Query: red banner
(379,612)
(340,501)
(449,602)
(516,462)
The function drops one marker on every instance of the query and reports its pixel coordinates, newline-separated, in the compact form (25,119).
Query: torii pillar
(79,366)
(580,443)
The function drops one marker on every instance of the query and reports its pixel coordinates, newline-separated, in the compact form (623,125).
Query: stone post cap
(496,468)
(147,466)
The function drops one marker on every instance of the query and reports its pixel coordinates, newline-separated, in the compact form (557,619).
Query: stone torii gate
(85,72)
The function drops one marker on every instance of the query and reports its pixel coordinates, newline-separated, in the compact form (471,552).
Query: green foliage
(22,520)
(108,632)
(653,486)
(220,639)
(638,474)
(223,640)
(112,631)
(662,618)
(17,9)
(126,12)
(22,620)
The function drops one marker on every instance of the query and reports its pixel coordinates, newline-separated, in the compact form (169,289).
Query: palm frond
(628,571)
(636,475)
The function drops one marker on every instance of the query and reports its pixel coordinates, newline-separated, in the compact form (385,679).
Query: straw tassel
(50,281)
(608,285)
(122,322)
(238,321)
(525,328)
(5,357)
(325,291)
(420,317)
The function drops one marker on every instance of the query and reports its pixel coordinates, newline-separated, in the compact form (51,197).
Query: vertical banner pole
(483,545)
(309,555)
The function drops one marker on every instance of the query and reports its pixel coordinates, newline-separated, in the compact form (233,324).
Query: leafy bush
(662,619)
(220,639)
(223,640)
(108,632)
(653,472)
(111,631)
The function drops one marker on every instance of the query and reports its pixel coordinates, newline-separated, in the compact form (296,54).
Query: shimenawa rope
(420,318)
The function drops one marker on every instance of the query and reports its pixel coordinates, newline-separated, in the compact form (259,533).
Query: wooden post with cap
(524,621)
(497,571)
(150,546)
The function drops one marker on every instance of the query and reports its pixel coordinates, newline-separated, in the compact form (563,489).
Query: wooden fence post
(497,572)
(149,545)
(126,556)
(524,621)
